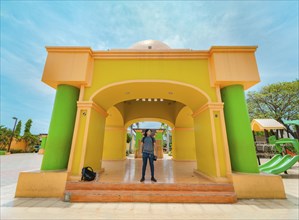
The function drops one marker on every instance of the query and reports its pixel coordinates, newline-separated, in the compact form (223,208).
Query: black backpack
(88,174)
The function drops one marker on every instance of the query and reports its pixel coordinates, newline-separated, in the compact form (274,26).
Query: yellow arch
(187,94)
(127,124)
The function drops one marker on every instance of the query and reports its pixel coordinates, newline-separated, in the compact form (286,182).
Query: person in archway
(148,153)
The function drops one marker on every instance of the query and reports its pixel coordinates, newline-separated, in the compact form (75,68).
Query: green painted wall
(139,136)
(43,144)
(61,128)
(240,139)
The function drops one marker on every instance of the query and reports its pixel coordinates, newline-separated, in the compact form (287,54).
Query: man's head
(148,132)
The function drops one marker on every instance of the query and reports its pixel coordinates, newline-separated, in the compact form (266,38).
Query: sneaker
(142,179)
(153,179)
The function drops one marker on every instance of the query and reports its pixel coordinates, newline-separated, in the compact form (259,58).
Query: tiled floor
(166,171)
(51,208)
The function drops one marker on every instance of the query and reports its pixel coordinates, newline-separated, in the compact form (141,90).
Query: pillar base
(78,177)
(41,184)
(41,151)
(258,186)
(213,178)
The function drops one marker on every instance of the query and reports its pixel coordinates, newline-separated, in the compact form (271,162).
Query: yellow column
(88,140)
(184,144)
(115,143)
(211,143)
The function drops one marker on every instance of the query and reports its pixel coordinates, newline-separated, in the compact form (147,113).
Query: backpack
(88,174)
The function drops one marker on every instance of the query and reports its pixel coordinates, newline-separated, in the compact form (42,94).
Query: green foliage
(31,139)
(129,138)
(278,101)
(27,127)
(5,135)
(18,129)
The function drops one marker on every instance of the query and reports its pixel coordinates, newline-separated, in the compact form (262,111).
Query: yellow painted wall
(193,72)
(204,144)
(18,145)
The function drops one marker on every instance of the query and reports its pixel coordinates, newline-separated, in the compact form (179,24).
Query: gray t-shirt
(148,144)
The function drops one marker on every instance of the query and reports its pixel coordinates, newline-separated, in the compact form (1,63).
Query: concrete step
(151,196)
(149,186)
(149,192)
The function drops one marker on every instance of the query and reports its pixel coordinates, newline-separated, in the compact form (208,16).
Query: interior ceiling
(161,110)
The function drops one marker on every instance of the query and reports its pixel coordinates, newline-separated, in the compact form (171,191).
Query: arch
(187,94)
(183,136)
(114,147)
(114,118)
(127,124)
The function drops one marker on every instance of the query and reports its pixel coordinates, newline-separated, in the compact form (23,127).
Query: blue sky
(27,27)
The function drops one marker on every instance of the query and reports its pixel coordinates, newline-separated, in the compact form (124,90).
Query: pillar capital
(210,106)
(91,105)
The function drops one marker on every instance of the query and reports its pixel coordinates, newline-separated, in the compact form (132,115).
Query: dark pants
(145,157)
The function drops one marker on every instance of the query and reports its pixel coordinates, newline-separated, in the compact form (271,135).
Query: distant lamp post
(13,132)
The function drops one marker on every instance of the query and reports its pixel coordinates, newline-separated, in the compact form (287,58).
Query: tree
(278,101)
(18,129)
(5,134)
(28,127)
(129,138)
(30,139)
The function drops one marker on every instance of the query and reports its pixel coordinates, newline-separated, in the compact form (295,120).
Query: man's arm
(141,146)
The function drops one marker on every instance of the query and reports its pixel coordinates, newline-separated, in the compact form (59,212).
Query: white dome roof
(150,45)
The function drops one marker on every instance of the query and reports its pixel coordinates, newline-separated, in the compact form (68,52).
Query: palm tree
(131,132)
(165,132)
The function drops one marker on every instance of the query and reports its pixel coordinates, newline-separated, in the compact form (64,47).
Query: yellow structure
(101,93)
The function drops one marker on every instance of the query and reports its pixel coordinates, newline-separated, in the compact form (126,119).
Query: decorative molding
(183,129)
(232,49)
(210,106)
(115,128)
(92,105)
(70,50)
(135,54)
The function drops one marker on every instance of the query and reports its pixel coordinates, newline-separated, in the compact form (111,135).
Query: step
(151,196)
(72,185)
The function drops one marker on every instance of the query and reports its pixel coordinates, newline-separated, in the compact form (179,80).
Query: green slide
(285,166)
(274,160)
(275,164)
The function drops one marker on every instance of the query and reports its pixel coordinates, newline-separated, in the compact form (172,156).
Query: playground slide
(275,164)
(273,160)
(284,166)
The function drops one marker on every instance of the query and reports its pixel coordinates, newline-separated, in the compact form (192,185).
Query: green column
(61,129)
(43,144)
(240,139)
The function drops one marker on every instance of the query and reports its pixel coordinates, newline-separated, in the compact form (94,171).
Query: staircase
(149,192)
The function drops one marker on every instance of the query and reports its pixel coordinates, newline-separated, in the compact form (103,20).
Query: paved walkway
(49,208)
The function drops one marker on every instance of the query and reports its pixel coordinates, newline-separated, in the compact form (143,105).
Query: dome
(150,45)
